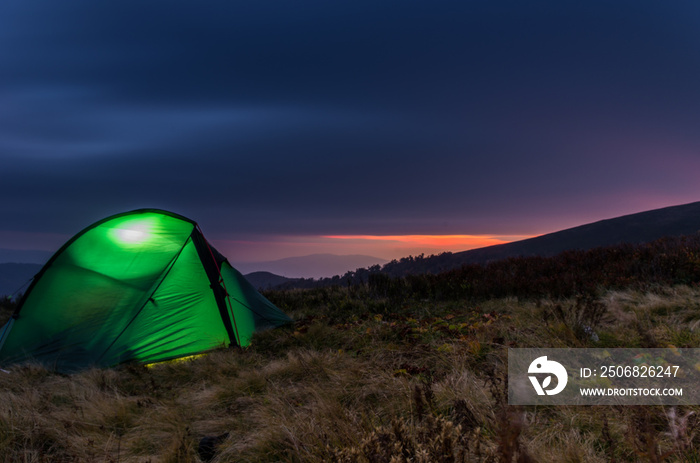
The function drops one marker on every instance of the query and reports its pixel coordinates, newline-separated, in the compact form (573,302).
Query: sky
(383,128)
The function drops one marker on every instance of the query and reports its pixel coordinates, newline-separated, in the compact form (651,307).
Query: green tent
(141,286)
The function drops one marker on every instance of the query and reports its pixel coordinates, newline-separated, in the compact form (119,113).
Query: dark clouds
(366,117)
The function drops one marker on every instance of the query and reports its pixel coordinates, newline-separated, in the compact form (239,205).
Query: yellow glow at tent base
(177,360)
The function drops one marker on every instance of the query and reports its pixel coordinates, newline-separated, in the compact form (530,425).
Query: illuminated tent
(141,286)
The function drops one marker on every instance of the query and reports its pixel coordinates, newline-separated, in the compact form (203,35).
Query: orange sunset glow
(429,240)
(385,247)
(402,245)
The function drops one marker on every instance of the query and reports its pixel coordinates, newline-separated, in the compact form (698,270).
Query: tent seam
(223,284)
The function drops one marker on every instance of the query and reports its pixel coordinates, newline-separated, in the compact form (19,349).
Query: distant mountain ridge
(311,266)
(267,280)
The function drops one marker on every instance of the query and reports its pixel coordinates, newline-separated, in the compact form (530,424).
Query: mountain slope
(634,228)
(641,227)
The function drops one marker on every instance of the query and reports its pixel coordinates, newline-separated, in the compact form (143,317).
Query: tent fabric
(141,286)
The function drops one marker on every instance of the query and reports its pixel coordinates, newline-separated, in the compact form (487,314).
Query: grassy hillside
(388,371)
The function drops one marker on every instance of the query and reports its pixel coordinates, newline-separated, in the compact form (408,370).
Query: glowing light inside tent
(132,232)
(131,235)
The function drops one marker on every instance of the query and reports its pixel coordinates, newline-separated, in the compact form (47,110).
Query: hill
(636,228)
(266,280)
(14,276)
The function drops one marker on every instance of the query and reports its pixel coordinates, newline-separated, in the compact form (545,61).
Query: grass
(364,379)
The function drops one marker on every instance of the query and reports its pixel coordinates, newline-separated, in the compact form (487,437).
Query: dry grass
(363,381)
